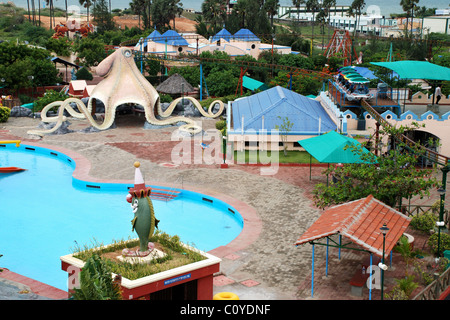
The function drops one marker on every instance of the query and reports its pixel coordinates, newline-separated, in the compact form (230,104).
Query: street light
(384,229)
(440,223)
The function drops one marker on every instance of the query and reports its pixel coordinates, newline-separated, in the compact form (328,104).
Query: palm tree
(313,6)
(408,6)
(271,7)
(297,4)
(214,12)
(138,7)
(175,8)
(356,10)
(86,4)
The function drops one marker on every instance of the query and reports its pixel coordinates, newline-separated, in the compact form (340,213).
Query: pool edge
(252,223)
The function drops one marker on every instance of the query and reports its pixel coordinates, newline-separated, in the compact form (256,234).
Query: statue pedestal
(193,281)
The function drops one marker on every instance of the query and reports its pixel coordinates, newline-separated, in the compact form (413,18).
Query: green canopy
(408,69)
(329,148)
(347,68)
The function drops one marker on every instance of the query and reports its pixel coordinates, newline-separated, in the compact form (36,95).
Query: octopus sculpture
(124,83)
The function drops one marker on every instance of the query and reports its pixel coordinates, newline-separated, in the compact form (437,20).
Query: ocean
(386,6)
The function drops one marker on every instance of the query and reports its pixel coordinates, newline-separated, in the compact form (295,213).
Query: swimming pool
(45,213)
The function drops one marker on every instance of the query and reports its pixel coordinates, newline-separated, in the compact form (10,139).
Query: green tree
(222,83)
(408,6)
(284,128)
(90,51)
(103,17)
(389,178)
(298,4)
(271,7)
(138,7)
(313,6)
(356,10)
(87,4)
(214,12)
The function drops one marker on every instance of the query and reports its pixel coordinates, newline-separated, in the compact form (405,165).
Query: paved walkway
(269,266)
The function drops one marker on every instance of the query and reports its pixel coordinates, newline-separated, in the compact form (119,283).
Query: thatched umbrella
(175,85)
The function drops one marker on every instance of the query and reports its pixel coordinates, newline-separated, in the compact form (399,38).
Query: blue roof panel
(306,114)
(245,35)
(222,34)
(173,38)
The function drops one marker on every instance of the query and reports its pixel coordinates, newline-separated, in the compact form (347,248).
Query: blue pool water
(44,212)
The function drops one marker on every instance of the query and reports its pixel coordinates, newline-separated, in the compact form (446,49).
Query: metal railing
(434,290)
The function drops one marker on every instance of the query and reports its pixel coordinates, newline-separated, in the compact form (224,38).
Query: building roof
(360,221)
(175,84)
(262,111)
(245,35)
(253,84)
(408,69)
(173,38)
(332,147)
(222,34)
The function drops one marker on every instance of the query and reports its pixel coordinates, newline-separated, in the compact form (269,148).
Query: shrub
(4,114)
(424,222)
(444,243)
(84,74)
(49,97)
(165,98)
(96,282)
(221,124)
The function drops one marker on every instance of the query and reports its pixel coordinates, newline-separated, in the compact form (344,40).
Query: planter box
(193,281)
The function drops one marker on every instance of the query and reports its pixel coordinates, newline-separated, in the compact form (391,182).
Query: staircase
(164,194)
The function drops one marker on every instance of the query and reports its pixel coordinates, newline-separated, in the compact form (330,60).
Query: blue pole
(370,275)
(340,240)
(390,262)
(312,273)
(201,77)
(326,263)
(141,56)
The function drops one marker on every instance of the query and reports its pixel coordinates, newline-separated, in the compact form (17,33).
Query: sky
(386,6)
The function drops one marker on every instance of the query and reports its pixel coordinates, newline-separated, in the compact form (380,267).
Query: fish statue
(144,221)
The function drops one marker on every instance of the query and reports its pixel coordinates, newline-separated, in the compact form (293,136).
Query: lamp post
(440,223)
(384,229)
(341,118)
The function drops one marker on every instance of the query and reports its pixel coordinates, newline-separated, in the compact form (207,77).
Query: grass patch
(292,156)
(177,255)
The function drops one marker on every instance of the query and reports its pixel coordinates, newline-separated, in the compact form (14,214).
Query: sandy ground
(282,203)
(181,24)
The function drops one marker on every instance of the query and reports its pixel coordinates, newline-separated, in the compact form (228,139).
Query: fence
(435,289)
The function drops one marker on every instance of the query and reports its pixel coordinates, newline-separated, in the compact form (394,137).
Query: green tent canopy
(329,148)
(253,84)
(409,69)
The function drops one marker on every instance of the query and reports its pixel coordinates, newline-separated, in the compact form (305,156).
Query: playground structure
(341,45)
(123,84)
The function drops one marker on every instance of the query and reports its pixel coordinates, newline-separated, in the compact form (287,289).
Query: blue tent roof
(222,34)
(245,35)
(173,38)
(306,114)
(151,37)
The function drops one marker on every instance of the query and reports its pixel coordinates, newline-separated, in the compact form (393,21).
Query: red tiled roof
(360,222)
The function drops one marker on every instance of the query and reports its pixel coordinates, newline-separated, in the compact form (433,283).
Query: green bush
(424,222)
(84,74)
(4,114)
(221,124)
(96,282)
(444,242)
(163,98)
(49,97)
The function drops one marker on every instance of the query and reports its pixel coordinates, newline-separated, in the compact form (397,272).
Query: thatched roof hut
(175,84)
